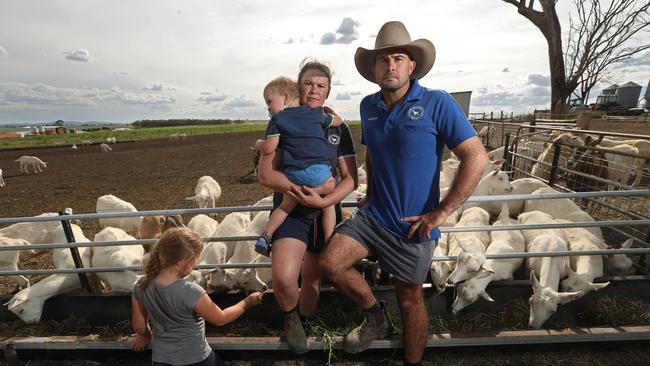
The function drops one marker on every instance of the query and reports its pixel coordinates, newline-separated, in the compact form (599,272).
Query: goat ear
(498,164)
(15,303)
(566,297)
(533,280)
(486,296)
(627,244)
(161,219)
(598,286)
(193,198)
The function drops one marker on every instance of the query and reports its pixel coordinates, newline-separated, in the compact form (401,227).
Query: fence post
(506,156)
(69,235)
(556,158)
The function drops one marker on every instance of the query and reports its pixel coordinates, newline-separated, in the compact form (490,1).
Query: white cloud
(347,31)
(3,53)
(208,98)
(79,55)
(355,93)
(343,96)
(337,82)
(289,41)
(43,94)
(539,79)
(240,102)
(154,87)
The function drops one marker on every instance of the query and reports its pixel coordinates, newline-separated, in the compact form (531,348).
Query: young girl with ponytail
(170,312)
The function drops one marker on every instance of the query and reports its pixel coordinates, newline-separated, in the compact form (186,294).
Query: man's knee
(409,296)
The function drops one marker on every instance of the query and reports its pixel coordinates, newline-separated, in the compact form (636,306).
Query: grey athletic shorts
(409,262)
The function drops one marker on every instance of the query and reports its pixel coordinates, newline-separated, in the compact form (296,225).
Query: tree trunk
(553,34)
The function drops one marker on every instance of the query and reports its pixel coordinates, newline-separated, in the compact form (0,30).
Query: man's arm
(473,160)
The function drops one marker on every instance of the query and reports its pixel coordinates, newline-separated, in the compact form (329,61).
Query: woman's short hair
(311,63)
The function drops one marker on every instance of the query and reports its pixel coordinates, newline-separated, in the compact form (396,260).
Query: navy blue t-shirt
(406,146)
(302,139)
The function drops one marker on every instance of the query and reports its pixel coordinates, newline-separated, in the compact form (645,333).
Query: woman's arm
(214,315)
(349,181)
(269,174)
(142,335)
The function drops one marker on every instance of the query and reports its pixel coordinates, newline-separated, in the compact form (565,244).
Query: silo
(628,94)
(647,96)
(610,90)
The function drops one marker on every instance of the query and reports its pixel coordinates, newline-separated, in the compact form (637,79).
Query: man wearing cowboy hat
(405,128)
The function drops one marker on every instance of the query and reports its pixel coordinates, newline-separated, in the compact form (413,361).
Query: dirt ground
(153,175)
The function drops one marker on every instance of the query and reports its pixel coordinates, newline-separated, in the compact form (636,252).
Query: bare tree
(598,39)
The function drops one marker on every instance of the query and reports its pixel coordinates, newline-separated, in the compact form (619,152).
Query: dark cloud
(355,93)
(120,73)
(642,60)
(345,34)
(506,69)
(328,38)
(337,82)
(482,90)
(539,80)
(79,55)
(289,41)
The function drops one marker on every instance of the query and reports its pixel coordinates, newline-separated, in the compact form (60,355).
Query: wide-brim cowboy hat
(394,35)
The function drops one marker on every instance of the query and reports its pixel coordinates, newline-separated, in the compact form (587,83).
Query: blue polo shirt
(406,146)
(302,138)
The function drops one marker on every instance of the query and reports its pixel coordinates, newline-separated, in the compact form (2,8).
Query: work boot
(296,336)
(375,326)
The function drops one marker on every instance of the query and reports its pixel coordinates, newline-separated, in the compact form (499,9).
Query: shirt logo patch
(334,139)
(415,112)
(372,119)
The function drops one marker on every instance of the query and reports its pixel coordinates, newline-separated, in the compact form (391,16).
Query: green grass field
(131,135)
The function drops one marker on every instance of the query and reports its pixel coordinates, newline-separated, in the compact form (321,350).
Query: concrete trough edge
(436,340)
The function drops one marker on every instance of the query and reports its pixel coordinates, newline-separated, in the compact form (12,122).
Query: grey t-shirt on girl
(178,332)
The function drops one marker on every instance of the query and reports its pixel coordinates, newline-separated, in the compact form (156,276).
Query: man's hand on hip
(423,224)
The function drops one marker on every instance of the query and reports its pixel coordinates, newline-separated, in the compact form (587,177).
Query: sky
(121,61)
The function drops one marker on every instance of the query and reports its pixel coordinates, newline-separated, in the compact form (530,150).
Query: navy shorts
(308,231)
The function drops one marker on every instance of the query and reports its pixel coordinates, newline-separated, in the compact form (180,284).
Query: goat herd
(555,280)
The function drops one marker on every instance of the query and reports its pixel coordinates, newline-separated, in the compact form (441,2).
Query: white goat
(207,191)
(234,224)
(363,176)
(203,225)
(9,259)
(86,142)
(110,203)
(37,232)
(74,147)
(28,303)
(104,147)
(496,153)
(560,209)
(110,140)
(495,183)
(440,270)
(2,181)
(117,256)
(523,186)
(27,161)
(469,246)
(509,241)
(585,268)
(243,278)
(545,298)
